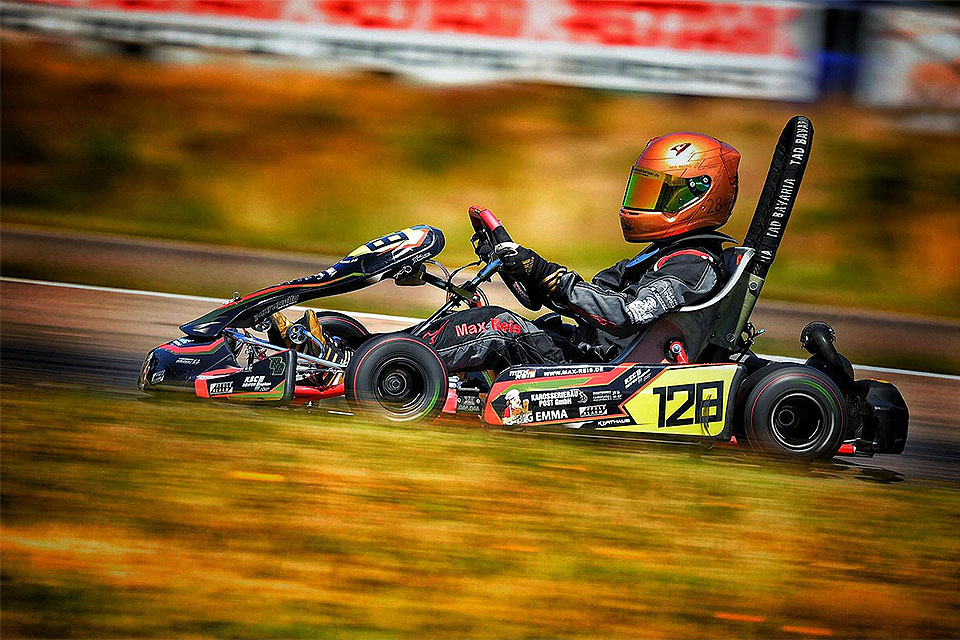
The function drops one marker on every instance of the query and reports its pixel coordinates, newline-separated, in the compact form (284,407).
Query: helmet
(681,181)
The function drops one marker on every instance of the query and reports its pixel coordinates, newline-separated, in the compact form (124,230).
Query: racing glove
(482,248)
(527,267)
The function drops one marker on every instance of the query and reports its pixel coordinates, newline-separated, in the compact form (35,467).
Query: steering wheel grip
(489,226)
(486,223)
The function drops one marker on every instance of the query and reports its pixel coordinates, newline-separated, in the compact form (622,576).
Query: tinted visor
(649,190)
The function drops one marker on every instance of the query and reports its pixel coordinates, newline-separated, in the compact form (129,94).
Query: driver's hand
(481,247)
(539,277)
(518,261)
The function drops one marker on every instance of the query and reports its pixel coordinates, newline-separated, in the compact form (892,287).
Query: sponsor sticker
(614,422)
(569,371)
(606,395)
(494,324)
(640,375)
(188,361)
(522,374)
(551,415)
(277,365)
(157,377)
(286,302)
(221,388)
(517,411)
(558,398)
(257,383)
(593,410)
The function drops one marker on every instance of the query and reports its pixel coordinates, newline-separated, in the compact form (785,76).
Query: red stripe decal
(203,348)
(684,252)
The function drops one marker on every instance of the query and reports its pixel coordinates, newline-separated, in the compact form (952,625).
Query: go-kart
(689,376)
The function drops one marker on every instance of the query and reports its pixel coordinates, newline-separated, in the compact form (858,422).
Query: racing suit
(611,310)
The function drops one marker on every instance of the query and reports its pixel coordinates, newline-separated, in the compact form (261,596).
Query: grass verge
(126,518)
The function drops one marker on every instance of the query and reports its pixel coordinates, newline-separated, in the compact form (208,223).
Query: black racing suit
(620,302)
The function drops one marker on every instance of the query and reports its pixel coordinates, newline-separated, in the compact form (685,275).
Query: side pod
(270,380)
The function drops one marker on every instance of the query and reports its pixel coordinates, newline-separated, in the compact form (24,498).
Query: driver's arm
(537,277)
(678,279)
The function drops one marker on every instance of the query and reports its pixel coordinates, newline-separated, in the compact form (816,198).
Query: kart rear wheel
(794,412)
(397,377)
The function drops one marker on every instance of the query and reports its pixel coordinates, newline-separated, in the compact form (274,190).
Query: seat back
(721,320)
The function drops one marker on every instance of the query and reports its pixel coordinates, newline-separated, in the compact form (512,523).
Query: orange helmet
(681,181)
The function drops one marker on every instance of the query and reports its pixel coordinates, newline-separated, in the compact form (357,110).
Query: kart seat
(718,321)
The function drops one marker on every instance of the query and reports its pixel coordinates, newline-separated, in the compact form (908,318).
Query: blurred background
(317,125)
(276,135)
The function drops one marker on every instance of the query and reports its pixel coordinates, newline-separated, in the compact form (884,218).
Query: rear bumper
(879,418)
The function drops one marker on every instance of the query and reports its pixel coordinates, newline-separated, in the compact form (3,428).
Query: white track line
(404,319)
(181,296)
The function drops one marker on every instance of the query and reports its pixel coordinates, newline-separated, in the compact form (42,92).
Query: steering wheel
(489,232)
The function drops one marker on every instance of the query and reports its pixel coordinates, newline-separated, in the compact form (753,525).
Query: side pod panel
(673,401)
(269,380)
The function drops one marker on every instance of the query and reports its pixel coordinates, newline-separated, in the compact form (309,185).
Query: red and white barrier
(748,48)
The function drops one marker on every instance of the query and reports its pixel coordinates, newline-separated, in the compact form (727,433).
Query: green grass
(179,519)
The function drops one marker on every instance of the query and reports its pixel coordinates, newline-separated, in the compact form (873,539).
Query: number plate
(683,401)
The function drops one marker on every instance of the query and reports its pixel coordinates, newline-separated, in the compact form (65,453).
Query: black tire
(794,412)
(343,326)
(397,377)
(340,325)
(146,373)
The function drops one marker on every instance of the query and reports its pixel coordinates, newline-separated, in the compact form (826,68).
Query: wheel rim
(400,387)
(798,421)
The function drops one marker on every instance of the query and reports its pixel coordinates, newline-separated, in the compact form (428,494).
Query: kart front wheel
(794,412)
(342,326)
(397,377)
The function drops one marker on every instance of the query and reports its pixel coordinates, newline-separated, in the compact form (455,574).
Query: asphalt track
(165,265)
(95,338)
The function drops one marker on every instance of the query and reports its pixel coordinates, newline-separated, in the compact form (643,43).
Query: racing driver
(680,190)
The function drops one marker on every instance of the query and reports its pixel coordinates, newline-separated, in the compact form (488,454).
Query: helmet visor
(649,190)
